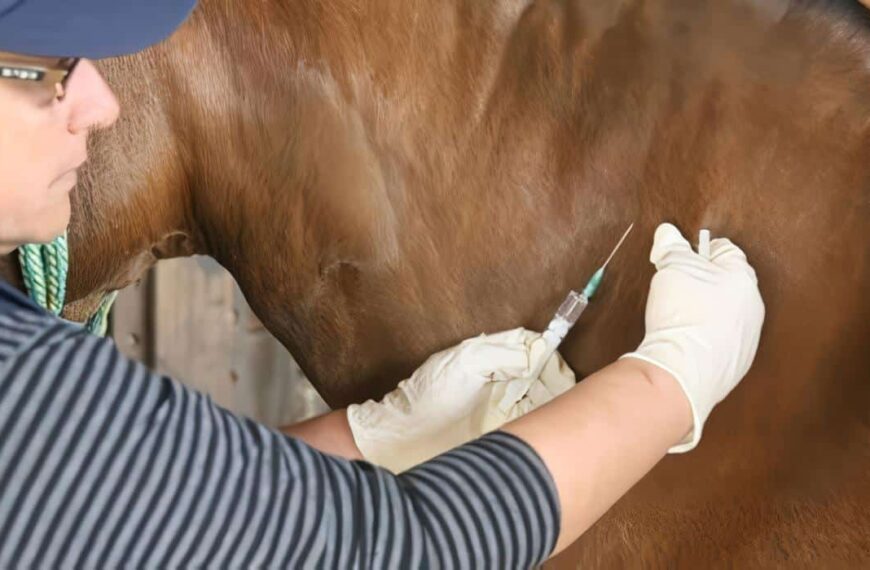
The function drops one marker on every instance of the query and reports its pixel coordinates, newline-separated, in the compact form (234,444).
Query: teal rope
(98,324)
(44,268)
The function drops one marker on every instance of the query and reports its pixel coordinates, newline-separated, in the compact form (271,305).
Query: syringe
(566,315)
(571,309)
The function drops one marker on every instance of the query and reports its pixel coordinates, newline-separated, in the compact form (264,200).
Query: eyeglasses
(49,74)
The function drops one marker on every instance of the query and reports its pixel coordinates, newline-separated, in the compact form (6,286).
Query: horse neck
(130,208)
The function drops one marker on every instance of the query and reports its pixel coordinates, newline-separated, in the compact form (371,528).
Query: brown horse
(386,178)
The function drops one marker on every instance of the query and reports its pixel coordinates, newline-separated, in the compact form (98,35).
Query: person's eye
(38,92)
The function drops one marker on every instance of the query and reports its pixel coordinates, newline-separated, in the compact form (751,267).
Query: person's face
(43,136)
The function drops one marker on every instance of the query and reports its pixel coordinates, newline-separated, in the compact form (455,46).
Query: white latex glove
(456,396)
(703,321)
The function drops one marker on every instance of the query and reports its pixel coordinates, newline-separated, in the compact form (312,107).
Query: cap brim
(89,28)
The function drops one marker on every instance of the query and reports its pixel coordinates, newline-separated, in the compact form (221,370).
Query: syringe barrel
(572,307)
(567,314)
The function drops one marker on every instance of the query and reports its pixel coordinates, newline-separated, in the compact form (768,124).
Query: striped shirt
(104,464)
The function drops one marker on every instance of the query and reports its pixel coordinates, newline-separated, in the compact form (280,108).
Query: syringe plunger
(567,314)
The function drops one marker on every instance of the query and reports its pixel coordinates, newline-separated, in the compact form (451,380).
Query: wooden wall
(189,320)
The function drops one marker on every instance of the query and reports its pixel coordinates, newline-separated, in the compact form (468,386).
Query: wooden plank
(199,329)
(131,322)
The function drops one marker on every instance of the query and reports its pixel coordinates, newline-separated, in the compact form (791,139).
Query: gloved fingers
(370,414)
(557,377)
(521,408)
(723,249)
(724,254)
(503,355)
(672,251)
(513,404)
(402,398)
(515,336)
(539,392)
(537,351)
(495,361)
(514,390)
(514,393)
(668,240)
(555,371)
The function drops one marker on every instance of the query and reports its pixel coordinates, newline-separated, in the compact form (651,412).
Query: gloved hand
(703,321)
(457,395)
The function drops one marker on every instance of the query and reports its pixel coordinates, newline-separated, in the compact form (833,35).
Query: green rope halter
(44,268)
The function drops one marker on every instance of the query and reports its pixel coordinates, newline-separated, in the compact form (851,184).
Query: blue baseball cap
(87,28)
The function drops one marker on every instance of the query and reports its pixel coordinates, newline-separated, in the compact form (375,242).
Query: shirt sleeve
(104,464)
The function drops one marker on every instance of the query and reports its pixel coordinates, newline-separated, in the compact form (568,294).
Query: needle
(618,245)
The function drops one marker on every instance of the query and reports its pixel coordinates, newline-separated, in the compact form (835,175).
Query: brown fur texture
(386,178)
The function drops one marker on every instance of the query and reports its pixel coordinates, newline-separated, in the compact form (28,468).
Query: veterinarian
(104,464)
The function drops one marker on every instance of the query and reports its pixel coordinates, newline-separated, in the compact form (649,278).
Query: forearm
(159,476)
(602,436)
(329,433)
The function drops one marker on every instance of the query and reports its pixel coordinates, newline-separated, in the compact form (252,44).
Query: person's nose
(91,102)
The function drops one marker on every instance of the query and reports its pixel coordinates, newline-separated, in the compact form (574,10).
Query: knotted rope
(44,268)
